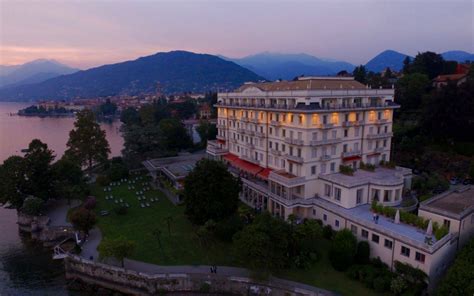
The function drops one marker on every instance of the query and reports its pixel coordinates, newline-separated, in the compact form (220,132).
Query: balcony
(325,157)
(294,158)
(233,140)
(379,136)
(379,150)
(294,141)
(214,148)
(380,121)
(286,179)
(220,137)
(250,133)
(350,153)
(244,119)
(260,134)
(250,145)
(326,125)
(276,152)
(241,130)
(220,126)
(232,117)
(325,142)
(254,120)
(352,123)
(250,159)
(275,123)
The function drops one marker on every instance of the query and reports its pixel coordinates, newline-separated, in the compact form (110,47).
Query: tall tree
(83,219)
(69,179)
(87,142)
(429,63)
(360,74)
(206,131)
(210,192)
(410,90)
(38,171)
(406,65)
(175,136)
(343,250)
(12,176)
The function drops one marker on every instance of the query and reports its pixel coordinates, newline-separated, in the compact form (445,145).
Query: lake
(26,268)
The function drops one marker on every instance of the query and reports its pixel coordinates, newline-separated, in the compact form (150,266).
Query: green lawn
(182,247)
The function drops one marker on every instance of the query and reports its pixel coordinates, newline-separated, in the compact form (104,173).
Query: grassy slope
(183,247)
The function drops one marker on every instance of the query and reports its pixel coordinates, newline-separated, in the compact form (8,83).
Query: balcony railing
(325,157)
(286,179)
(276,152)
(241,130)
(233,140)
(260,134)
(379,150)
(244,119)
(323,107)
(220,137)
(275,123)
(250,159)
(325,142)
(380,121)
(254,120)
(250,145)
(232,117)
(220,126)
(352,123)
(379,136)
(326,125)
(350,153)
(294,158)
(292,141)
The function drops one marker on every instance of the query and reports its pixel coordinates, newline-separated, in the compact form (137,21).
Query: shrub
(319,221)
(226,229)
(121,210)
(346,170)
(363,253)
(90,203)
(343,250)
(382,284)
(367,167)
(103,180)
(32,206)
(117,170)
(353,272)
(398,285)
(441,232)
(328,233)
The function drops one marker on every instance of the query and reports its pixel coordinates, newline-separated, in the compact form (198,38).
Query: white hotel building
(287,141)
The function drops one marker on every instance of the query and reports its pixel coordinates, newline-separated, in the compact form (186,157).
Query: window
(325,217)
(315,136)
(270,143)
(283,147)
(354,229)
(323,168)
(313,170)
(334,134)
(387,195)
(283,132)
(346,133)
(333,167)
(420,257)
(405,251)
(327,190)
(357,131)
(364,233)
(375,238)
(388,244)
(270,131)
(314,152)
(447,223)
(359,194)
(333,150)
(337,194)
(314,212)
(336,223)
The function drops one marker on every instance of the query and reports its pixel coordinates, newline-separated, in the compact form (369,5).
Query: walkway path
(89,247)
(58,212)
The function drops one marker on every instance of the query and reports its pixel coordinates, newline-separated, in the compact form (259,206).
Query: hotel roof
(307,83)
(455,203)
(380,176)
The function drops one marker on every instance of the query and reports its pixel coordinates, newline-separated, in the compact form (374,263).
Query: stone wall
(40,230)
(136,283)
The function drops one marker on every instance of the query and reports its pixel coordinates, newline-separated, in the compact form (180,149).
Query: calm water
(26,268)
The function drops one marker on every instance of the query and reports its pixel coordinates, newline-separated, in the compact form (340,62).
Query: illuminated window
(335,118)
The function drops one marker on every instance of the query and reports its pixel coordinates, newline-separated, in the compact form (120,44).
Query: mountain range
(32,72)
(177,72)
(287,66)
(165,72)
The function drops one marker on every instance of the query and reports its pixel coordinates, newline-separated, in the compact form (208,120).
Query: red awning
(230,157)
(264,173)
(242,164)
(351,158)
(220,141)
(246,166)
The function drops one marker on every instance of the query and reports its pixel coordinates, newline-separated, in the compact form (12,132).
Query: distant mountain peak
(387,58)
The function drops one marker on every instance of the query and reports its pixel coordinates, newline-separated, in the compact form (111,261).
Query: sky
(90,33)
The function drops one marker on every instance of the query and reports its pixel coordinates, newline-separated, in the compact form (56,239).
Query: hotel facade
(289,141)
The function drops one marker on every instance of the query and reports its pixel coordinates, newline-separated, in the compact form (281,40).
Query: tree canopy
(87,142)
(343,250)
(118,248)
(210,192)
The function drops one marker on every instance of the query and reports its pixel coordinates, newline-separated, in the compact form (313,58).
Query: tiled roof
(451,77)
